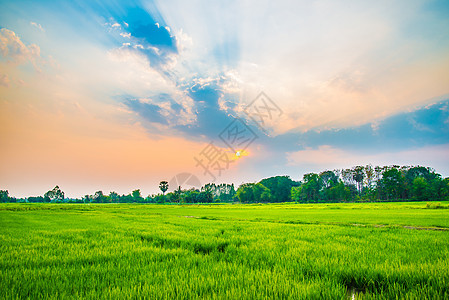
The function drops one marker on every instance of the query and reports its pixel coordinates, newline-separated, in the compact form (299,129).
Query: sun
(240,153)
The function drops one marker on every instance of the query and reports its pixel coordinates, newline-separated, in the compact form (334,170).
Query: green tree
(340,192)
(245,193)
(420,189)
(55,195)
(310,188)
(176,195)
(445,188)
(358,174)
(137,196)
(262,193)
(391,183)
(163,186)
(4,196)
(205,197)
(296,194)
(280,187)
(114,197)
(191,196)
(36,199)
(99,197)
(329,179)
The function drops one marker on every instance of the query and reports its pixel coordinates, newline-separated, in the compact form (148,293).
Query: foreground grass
(326,251)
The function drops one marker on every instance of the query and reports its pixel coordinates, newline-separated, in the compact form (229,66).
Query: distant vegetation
(358,184)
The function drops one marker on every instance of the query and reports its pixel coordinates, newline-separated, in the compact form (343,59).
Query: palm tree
(163,185)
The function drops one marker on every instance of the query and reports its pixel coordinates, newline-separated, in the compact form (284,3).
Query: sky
(119,95)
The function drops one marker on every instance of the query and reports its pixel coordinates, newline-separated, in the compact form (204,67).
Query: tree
(445,188)
(191,196)
(55,195)
(36,199)
(296,194)
(347,176)
(340,192)
(163,185)
(391,183)
(280,187)
(310,188)
(329,179)
(358,175)
(225,192)
(420,189)
(176,195)
(114,197)
(262,193)
(205,197)
(137,196)
(4,196)
(369,176)
(99,197)
(245,193)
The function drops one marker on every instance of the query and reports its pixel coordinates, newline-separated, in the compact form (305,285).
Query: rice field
(261,251)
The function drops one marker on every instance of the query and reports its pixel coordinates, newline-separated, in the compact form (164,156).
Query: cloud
(151,112)
(347,69)
(424,126)
(163,109)
(38,26)
(14,50)
(4,80)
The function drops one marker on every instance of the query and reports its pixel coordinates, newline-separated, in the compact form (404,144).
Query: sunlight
(240,153)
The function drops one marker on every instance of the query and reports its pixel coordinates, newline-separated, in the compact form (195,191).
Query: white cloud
(125,35)
(131,73)
(38,26)
(326,64)
(14,50)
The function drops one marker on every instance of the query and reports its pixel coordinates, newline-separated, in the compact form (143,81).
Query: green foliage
(359,184)
(55,195)
(262,193)
(221,192)
(245,193)
(163,186)
(36,199)
(253,192)
(391,183)
(98,197)
(279,187)
(420,189)
(137,196)
(310,188)
(4,196)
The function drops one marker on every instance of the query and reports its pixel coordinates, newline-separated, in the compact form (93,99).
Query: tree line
(368,183)
(360,183)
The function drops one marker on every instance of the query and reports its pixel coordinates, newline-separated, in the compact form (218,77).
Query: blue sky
(129,92)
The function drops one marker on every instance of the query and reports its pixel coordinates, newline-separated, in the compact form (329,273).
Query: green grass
(285,251)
